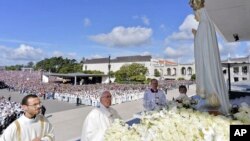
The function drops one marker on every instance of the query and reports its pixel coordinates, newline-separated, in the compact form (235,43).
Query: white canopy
(230,17)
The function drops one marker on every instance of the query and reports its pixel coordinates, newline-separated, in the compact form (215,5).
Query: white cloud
(57,54)
(21,55)
(87,22)
(96,56)
(172,53)
(25,42)
(4,53)
(179,45)
(182,35)
(71,55)
(185,30)
(248,44)
(239,56)
(145,20)
(189,23)
(124,37)
(25,52)
(181,51)
(247,48)
(228,49)
(146,53)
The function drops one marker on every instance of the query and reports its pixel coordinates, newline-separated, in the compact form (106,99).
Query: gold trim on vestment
(18,130)
(42,126)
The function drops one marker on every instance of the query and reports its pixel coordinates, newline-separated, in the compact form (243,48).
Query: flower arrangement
(173,125)
(185,102)
(244,113)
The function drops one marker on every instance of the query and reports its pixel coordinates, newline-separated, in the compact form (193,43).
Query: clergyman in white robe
(25,129)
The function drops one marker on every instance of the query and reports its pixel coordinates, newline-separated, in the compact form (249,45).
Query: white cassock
(96,123)
(25,129)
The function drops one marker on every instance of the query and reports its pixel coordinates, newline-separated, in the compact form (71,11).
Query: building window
(189,71)
(244,78)
(244,69)
(236,79)
(224,71)
(86,67)
(183,71)
(168,71)
(174,72)
(236,70)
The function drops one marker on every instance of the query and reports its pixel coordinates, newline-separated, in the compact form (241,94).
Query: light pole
(109,66)
(42,70)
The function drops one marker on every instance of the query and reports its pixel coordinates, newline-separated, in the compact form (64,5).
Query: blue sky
(31,30)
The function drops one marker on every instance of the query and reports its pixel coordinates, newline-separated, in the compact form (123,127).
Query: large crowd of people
(9,111)
(26,82)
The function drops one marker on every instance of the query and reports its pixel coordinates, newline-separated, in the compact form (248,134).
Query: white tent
(230,17)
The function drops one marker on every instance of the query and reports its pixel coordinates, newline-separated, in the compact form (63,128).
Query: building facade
(167,69)
(239,69)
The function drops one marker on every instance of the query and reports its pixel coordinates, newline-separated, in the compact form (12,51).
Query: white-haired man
(99,119)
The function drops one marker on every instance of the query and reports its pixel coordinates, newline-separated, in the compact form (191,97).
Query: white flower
(173,124)
(244,113)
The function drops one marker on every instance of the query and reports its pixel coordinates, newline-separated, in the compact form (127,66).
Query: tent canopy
(230,17)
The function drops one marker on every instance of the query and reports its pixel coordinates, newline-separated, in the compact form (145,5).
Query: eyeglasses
(36,105)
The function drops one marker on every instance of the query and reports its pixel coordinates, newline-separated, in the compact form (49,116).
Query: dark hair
(182,87)
(153,80)
(25,99)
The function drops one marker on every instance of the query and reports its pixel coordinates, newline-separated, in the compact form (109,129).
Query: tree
(112,74)
(133,73)
(193,77)
(83,60)
(59,65)
(157,73)
(30,64)
(16,67)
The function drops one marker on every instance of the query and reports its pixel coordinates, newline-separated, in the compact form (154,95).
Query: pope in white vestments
(99,119)
(31,126)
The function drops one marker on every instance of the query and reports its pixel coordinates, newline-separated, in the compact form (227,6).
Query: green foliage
(134,73)
(193,77)
(180,78)
(59,65)
(30,64)
(157,73)
(147,81)
(112,74)
(15,67)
